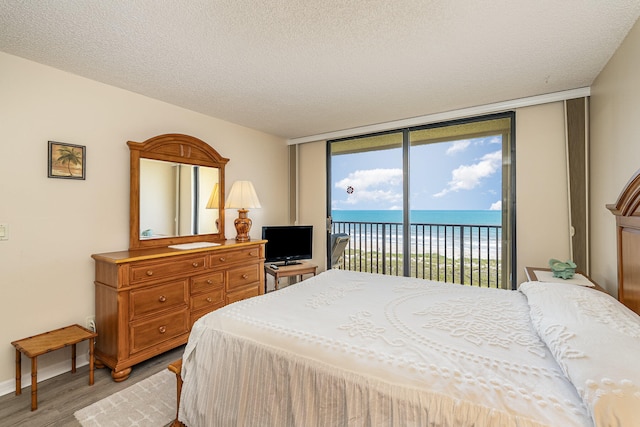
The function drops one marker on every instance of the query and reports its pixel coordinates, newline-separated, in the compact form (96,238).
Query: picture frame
(67,161)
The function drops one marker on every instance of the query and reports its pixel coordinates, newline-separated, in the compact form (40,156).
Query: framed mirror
(176,192)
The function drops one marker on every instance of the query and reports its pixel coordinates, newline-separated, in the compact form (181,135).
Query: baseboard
(9,386)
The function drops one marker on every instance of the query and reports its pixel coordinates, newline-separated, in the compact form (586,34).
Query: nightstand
(577,279)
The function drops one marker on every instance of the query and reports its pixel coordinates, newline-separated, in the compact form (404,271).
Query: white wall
(542,208)
(541,188)
(46,270)
(615,150)
(312,196)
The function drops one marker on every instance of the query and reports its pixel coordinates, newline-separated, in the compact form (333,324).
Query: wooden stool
(176,368)
(37,345)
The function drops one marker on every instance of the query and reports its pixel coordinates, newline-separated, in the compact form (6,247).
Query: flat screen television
(287,244)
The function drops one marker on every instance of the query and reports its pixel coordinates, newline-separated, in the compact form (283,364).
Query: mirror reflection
(177,199)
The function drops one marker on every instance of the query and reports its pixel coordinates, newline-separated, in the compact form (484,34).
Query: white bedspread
(358,349)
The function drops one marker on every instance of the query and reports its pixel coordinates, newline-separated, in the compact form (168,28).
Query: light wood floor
(60,397)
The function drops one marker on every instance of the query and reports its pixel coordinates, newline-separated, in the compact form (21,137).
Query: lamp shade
(214,199)
(242,196)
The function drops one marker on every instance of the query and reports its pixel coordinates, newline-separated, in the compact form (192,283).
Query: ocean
(448,217)
(474,233)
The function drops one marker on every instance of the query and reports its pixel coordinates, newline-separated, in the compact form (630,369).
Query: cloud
(467,177)
(458,146)
(377,185)
(497,206)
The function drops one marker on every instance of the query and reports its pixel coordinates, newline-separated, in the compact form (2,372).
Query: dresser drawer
(223,258)
(153,299)
(213,299)
(155,331)
(152,270)
(207,282)
(243,276)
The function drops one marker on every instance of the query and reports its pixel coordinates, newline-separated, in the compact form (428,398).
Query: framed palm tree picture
(67,160)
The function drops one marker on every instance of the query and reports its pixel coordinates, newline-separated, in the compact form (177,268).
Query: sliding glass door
(434,202)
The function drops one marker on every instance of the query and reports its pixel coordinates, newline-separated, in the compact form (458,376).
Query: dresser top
(125,256)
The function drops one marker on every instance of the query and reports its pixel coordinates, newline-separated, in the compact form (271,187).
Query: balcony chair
(339,242)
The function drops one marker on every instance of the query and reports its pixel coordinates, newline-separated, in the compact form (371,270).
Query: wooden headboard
(627,212)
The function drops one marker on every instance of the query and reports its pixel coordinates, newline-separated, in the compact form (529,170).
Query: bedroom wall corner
(615,150)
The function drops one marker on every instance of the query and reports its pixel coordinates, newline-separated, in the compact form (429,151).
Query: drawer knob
(149,272)
(195,264)
(252,254)
(245,276)
(222,259)
(162,298)
(162,329)
(209,282)
(209,299)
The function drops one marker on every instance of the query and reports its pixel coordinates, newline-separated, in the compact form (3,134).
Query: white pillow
(596,341)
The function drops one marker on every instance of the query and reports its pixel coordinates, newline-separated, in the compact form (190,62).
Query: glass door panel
(366,194)
(456,186)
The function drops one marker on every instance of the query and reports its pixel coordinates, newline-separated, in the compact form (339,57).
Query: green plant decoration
(563,270)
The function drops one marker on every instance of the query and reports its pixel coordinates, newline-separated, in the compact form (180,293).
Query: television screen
(288,243)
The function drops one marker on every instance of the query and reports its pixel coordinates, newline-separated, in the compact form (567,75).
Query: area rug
(150,402)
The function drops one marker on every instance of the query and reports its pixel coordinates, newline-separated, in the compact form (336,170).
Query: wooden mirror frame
(176,148)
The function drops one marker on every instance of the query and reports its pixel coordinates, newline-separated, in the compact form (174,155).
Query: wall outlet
(90,323)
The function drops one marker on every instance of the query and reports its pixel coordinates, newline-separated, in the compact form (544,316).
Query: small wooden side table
(296,270)
(40,344)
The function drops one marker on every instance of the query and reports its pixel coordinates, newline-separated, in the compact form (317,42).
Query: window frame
(508,242)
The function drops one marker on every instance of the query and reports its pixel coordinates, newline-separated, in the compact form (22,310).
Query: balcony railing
(454,253)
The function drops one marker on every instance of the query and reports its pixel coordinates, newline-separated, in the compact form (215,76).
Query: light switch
(4,231)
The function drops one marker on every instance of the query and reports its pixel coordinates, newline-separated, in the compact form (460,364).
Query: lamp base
(243,225)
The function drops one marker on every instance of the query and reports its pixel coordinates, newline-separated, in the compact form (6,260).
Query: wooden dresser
(148,299)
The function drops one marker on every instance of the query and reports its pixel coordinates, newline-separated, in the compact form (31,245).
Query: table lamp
(242,197)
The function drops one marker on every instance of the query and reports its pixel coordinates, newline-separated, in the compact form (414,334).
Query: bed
(358,349)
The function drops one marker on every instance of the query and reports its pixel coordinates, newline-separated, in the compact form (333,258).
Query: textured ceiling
(300,68)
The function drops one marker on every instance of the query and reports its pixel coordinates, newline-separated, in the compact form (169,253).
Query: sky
(458,175)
